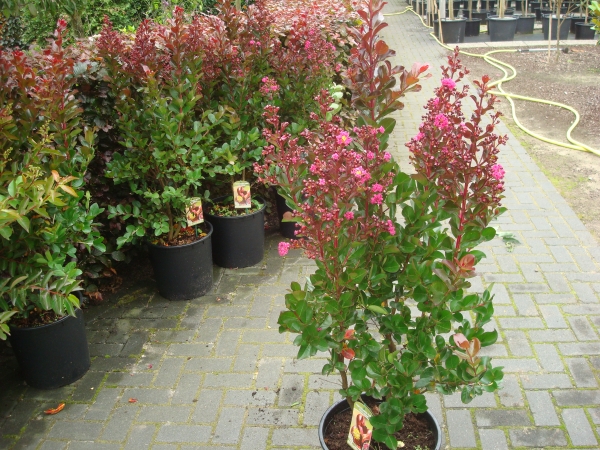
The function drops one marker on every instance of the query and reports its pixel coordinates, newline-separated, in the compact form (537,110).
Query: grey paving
(214,373)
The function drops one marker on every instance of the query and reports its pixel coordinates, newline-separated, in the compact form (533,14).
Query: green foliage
(166,144)
(594,9)
(44,152)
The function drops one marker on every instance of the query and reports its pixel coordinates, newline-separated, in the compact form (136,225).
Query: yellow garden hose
(574,145)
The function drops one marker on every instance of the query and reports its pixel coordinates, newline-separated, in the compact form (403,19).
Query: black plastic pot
(342,405)
(525,24)
(286,229)
(574,21)
(564,27)
(481,15)
(472,27)
(183,272)
(585,31)
(453,31)
(238,241)
(53,355)
(502,29)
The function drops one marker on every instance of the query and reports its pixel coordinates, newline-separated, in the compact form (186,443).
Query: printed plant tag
(241,194)
(194,212)
(359,437)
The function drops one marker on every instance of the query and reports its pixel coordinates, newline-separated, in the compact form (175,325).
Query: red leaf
(56,410)
(133,400)
(349,334)
(461,341)
(348,353)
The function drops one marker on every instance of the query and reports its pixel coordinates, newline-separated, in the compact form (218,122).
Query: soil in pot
(416,433)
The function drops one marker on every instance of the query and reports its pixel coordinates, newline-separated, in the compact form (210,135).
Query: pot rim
(502,18)
(321,428)
(167,247)
(39,327)
(255,197)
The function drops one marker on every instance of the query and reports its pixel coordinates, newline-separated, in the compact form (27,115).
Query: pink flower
(307,45)
(335,156)
(265,79)
(251,42)
(449,83)
(321,181)
(419,136)
(284,248)
(381,129)
(441,121)
(349,215)
(370,155)
(343,138)
(391,227)
(377,199)
(313,168)
(377,188)
(497,171)
(387,156)
(361,174)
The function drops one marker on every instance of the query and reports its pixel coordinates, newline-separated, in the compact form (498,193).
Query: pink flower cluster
(268,87)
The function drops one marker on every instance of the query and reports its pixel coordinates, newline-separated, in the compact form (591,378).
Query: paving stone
(165,414)
(316,404)
(153,396)
(581,372)
(546,381)
(272,416)
(190,349)
(239,380)
(269,371)
(311,365)
(502,418)
(577,349)
(549,358)
(553,316)
(460,428)
(518,343)
(75,430)
(129,379)
(510,393)
(248,397)
(174,336)
(512,365)
(558,282)
(169,372)
(486,400)
(527,323)
(247,358)
(493,440)
(595,415)
(291,390)
(537,437)
(254,438)
(577,398)
(295,436)
(93,446)
(582,328)
(135,343)
(87,387)
(263,336)
(120,422)
(209,330)
(579,429)
(227,343)
(559,335)
(140,437)
(183,433)
(544,299)
(19,416)
(525,305)
(51,445)
(229,426)
(207,406)
(542,408)
(209,364)
(187,388)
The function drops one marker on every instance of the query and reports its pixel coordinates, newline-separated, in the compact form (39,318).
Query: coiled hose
(505,68)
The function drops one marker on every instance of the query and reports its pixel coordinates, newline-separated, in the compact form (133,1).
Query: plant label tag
(241,194)
(194,212)
(359,437)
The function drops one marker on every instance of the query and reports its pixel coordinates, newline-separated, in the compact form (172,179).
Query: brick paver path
(214,373)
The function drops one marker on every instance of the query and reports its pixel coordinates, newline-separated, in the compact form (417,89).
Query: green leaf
(377,309)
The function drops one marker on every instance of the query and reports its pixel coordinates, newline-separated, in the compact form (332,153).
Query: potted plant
(473,24)
(595,11)
(388,296)
(585,30)
(501,28)
(452,29)
(45,217)
(525,21)
(238,218)
(166,148)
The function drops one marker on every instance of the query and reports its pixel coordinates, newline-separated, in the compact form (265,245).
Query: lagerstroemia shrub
(394,251)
